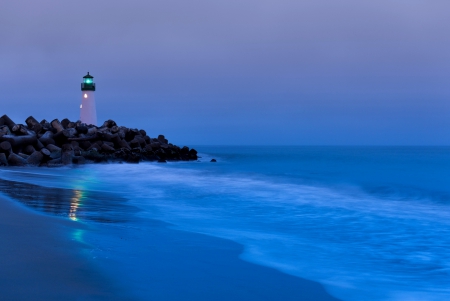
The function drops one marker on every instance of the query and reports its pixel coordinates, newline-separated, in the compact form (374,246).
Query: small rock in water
(213,160)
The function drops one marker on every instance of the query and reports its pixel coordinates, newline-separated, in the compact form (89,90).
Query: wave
(361,246)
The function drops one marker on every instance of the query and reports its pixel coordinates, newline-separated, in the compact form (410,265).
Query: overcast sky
(236,72)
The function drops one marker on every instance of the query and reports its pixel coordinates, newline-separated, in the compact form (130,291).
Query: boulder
(35,158)
(16,160)
(3,160)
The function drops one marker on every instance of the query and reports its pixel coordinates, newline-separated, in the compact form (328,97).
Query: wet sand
(171,265)
(43,258)
(41,261)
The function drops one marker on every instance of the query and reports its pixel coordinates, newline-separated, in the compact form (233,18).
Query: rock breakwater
(65,142)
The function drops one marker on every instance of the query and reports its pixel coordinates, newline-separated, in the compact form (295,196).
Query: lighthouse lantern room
(88,113)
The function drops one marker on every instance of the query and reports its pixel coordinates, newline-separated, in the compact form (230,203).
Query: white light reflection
(74,203)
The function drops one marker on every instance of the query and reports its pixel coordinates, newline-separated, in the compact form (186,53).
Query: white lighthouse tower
(88,113)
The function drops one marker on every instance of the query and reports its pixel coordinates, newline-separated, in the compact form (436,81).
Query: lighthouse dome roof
(88,76)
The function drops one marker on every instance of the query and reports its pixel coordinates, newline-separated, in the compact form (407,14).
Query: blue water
(369,223)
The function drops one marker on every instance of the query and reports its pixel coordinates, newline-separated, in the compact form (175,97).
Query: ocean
(368,223)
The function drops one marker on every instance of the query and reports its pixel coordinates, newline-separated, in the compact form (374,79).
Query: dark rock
(53,148)
(5,130)
(67,147)
(29,149)
(19,141)
(55,152)
(63,136)
(16,160)
(33,124)
(3,160)
(213,160)
(193,154)
(82,129)
(134,143)
(141,140)
(23,155)
(133,158)
(7,121)
(57,125)
(67,154)
(98,142)
(108,143)
(55,161)
(47,138)
(45,152)
(38,145)
(130,134)
(47,127)
(77,150)
(155,145)
(115,129)
(66,142)
(65,122)
(94,155)
(94,146)
(35,158)
(78,160)
(120,143)
(107,148)
(162,139)
(109,123)
(85,145)
(5,147)
(66,158)
(19,129)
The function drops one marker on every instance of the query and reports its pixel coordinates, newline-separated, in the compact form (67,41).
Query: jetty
(65,142)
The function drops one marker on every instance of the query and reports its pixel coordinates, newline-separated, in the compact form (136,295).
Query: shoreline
(169,264)
(41,262)
(192,266)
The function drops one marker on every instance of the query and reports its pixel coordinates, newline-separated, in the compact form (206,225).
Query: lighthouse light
(81,106)
(85,95)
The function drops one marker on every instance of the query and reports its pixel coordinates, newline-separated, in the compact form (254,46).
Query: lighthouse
(88,113)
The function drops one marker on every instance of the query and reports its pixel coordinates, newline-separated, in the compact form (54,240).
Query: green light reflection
(78,235)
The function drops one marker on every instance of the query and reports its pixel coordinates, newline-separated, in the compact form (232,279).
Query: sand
(41,261)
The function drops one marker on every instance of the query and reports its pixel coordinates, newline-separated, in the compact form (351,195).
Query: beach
(40,260)
(43,260)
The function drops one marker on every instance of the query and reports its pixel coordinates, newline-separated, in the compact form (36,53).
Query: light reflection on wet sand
(76,204)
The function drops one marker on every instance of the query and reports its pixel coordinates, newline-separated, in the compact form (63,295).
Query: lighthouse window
(85,95)
(81,106)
